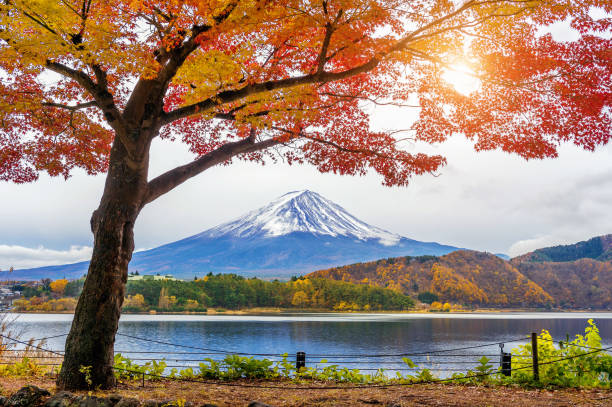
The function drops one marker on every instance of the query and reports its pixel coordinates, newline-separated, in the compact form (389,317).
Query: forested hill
(584,283)
(464,277)
(483,279)
(577,275)
(597,248)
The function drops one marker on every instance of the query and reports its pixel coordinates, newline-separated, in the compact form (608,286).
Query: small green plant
(26,367)
(286,368)
(234,367)
(187,373)
(484,369)
(210,369)
(86,372)
(126,369)
(425,375)
(251,368)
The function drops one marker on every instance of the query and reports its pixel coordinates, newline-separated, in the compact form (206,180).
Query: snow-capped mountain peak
(302,211)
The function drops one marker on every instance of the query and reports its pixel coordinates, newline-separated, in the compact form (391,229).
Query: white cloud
(27,257)
(528,245)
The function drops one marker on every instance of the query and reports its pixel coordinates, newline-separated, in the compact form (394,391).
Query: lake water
(334,335)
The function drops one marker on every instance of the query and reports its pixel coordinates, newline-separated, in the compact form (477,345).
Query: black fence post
(505,361)
(534,356)
(143,379)
(300,360)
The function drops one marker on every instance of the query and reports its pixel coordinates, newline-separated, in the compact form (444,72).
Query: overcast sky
(488,201)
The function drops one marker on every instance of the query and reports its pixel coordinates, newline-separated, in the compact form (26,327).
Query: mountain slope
(584,283)
(597,248)
(483,279)
(463,276)
(298,233)
(576,275)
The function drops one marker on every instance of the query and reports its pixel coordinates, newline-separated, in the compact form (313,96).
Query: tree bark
(90,343)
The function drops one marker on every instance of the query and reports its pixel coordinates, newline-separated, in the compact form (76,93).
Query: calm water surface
(329,334)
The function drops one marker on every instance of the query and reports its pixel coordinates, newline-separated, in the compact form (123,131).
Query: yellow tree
(91,84)
(58,286)
(136,301)
(300,299)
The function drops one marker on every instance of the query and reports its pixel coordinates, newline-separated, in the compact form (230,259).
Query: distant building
(6,298)
(150,277)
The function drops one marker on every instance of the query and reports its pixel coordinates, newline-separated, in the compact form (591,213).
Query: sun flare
(462,78)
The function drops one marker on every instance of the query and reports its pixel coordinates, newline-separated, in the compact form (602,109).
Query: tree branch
(100,76)
(72,108)
(233,95)
(175,177)
(152,91)
(100,93)
(362,151)
(79,76)
(322,59)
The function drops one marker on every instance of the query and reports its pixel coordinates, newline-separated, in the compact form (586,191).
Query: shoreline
(283,311)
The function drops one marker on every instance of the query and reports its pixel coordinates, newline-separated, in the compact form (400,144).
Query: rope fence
(51,355)
(322,355)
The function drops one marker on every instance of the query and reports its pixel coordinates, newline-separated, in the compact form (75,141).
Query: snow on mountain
(298,233)
(302,211)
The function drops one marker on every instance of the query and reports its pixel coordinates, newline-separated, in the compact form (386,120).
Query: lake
(333,336)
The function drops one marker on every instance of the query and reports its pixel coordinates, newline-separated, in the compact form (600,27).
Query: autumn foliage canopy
(294,76)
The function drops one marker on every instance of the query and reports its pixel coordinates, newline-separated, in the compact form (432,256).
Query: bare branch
(100,76)
(103,98)
(175,177)
(369,99)
(79,76)
(362,151)
(72,108)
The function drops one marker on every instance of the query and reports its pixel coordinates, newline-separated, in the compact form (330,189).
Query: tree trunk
(88,361)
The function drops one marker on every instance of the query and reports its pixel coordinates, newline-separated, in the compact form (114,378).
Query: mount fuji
(299,232)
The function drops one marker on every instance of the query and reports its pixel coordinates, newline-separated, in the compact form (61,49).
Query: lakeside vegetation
(225,291)
(581,362)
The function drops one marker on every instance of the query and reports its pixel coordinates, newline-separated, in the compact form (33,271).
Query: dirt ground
(404,396)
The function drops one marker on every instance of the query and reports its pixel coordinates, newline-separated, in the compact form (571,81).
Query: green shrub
(427,297)
(571,364)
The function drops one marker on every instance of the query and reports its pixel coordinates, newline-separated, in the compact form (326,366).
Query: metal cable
(225,352)
(321,387)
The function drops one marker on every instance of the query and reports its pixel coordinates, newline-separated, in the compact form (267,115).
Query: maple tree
(90,84)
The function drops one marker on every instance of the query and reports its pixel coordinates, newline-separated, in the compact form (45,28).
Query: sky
(488,201)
